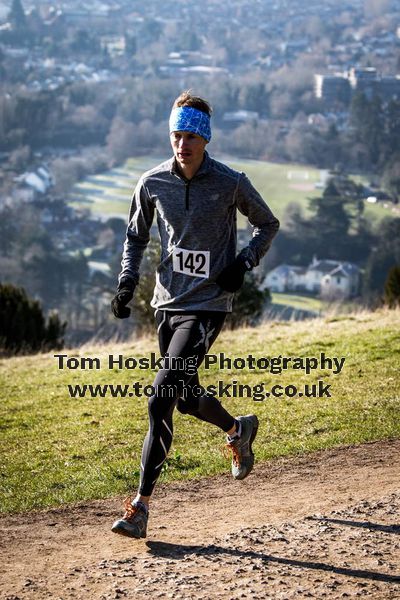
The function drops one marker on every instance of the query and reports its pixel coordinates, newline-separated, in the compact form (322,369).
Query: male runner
(195,199)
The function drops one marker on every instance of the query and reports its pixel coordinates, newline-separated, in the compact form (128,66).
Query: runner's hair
(186,98)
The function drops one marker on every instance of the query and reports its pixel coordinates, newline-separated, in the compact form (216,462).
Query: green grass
(273,183)
(109,194)
(299,302)
(56,450)
(311,304)
(376,212)
(269,178)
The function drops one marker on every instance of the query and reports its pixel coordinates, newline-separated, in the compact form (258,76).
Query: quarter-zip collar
(205,167)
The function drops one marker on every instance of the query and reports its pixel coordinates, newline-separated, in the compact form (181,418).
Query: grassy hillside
(56,449)
(108,194)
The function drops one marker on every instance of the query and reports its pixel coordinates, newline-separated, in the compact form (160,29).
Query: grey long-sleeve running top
(197,225)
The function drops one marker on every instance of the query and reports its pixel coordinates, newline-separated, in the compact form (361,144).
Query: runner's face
(188,147)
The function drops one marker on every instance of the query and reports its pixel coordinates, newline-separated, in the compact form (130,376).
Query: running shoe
(134,522)
(242,453)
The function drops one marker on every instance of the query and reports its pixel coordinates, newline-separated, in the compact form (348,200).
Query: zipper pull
(187,184)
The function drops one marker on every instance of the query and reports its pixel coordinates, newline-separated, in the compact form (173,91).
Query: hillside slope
(56,449)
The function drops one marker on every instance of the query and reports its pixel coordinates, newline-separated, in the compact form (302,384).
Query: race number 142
(195,263)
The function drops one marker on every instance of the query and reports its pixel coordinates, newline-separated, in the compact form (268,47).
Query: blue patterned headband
(187,118)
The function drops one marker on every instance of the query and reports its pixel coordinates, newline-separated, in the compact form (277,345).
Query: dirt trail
(325,525)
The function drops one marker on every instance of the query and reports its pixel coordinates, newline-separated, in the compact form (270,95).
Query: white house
(284,278)
(39,181)
(240,116)
(329,279)
(342,282)
(315,272)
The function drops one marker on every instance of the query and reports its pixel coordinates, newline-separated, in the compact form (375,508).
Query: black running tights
(184,340)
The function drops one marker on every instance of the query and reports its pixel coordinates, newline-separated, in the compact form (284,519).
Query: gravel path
(325,525)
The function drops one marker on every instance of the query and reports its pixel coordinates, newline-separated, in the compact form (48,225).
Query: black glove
(231,278)
(124,295)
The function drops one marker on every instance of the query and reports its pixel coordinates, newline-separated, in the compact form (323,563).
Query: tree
(188,40)
(118,227)
(376,8)
(336,230)
(65,173)
(384,256)
(130,44)
(391,177)
(8,230)
(328,229)
(368,119)
(20,158)
(254,96)
(248,304)
(151,31)
(22,323)
(75,281)
(16,16)
(393,127)
(392,287)
(85,41)
(142,310)
(121,142)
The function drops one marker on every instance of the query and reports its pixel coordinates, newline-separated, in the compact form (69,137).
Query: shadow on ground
(177,551)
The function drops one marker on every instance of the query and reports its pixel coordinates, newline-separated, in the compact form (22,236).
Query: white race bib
(195,263)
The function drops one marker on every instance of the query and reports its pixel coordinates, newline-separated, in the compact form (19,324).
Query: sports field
(108,194)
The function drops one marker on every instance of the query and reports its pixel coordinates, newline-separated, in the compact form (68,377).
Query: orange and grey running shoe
(242,452)
(134,522)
